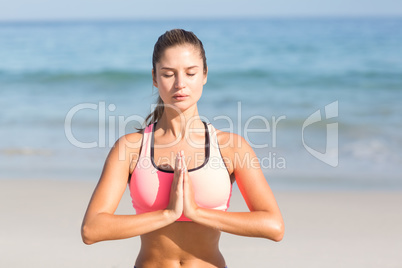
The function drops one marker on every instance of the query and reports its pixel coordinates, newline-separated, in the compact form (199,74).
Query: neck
(180,124)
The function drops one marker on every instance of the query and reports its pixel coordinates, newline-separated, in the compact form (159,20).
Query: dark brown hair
(169,39)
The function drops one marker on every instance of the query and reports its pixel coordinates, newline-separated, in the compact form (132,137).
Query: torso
(173,245)
(223,138)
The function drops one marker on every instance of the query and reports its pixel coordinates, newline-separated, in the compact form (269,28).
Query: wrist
(193,214)
(170,215)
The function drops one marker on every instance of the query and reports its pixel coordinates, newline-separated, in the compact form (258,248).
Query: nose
(179,83)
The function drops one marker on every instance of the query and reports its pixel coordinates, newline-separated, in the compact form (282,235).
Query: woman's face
(180,76)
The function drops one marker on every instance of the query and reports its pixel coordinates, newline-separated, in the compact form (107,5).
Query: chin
(183,106)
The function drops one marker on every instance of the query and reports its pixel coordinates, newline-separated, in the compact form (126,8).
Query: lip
(178,96)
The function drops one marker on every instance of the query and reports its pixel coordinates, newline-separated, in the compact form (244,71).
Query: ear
(154,79)
(205,77)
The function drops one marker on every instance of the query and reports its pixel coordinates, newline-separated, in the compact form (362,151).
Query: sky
(185,9)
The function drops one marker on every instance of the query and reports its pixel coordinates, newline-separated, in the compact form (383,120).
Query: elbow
(278,232)
(86,235)
(275,230)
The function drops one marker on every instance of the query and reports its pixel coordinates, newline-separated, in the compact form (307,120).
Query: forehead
(181,55)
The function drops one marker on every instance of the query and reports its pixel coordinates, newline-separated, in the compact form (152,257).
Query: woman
(180,172)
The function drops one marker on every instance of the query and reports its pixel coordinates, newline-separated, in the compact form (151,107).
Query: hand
(189,205)
(175,206)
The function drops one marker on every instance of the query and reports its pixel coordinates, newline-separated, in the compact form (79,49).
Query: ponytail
(156,114)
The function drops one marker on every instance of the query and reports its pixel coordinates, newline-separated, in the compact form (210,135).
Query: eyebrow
(169,68)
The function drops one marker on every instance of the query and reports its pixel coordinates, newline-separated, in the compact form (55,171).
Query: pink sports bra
(150,185)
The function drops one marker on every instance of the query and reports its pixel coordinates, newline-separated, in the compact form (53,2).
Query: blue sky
(154,9)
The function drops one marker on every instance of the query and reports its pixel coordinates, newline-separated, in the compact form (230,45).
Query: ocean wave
(390,80)
(25,151)
(374,150)
(347,79)
(55,77)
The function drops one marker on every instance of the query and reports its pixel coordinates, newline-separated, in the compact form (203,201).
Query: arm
(100,223)
(263,220)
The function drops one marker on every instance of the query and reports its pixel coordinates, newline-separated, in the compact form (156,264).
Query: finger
(177,161)
(177,171)
(185,177)
(180,183)
(184,165)
(178,167)
(180,179)
(180,162)
(182,158)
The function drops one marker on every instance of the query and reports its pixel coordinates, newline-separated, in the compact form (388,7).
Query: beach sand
(40,227)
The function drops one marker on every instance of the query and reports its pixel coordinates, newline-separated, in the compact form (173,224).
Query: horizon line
(224,18)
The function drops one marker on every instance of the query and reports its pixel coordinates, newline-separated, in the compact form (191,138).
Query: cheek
(162,92)
(165,85)
(164,89)
(197,89)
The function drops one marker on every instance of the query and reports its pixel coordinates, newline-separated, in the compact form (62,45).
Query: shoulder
(127,147)
(231,141)
(130,141)
(233,148)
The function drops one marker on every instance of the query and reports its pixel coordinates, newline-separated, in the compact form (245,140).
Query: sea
(318,99)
